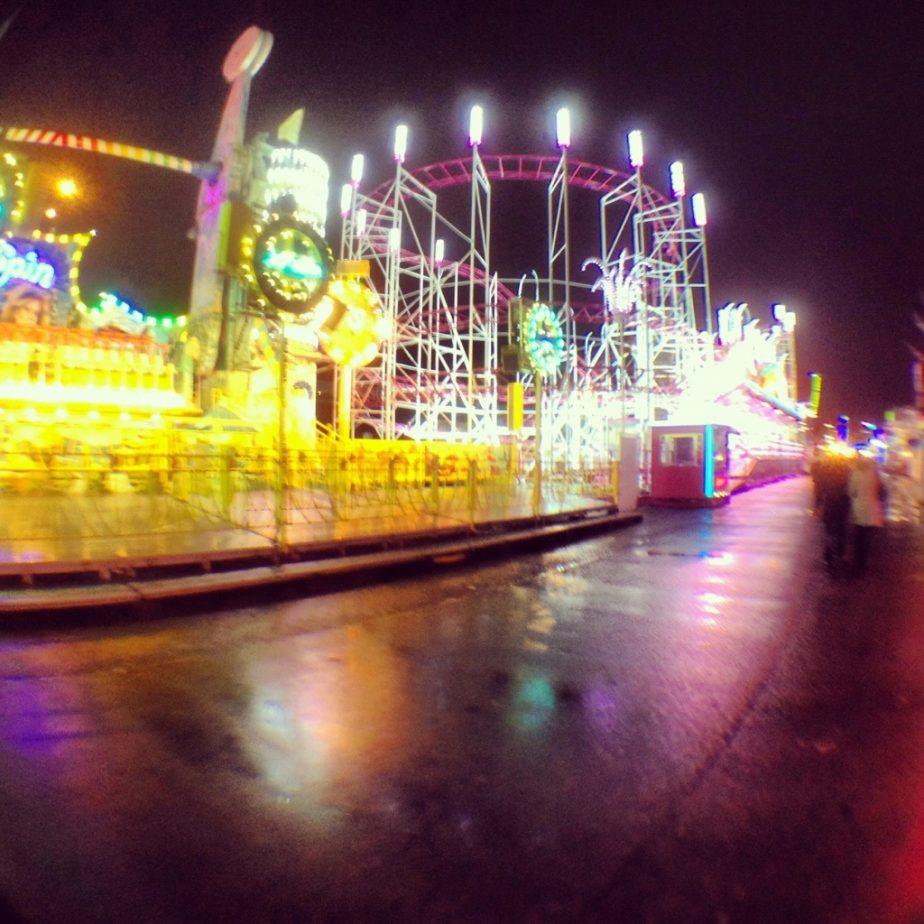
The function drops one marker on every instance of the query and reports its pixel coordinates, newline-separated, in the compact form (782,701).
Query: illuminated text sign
(27,267)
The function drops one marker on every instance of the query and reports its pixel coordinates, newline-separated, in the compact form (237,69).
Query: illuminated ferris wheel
(628,312)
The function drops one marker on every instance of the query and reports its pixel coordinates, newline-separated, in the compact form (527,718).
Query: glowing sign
(26,267)
(290,265)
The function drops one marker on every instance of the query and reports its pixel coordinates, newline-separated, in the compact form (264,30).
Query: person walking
(865,488)
(833,504)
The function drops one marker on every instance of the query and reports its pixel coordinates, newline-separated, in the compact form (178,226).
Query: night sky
(803,127)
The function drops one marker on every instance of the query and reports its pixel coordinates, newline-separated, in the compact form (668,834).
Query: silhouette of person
(866,508)
(833,503)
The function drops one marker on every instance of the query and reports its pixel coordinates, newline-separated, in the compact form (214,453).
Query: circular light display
(543,339)
(290,265)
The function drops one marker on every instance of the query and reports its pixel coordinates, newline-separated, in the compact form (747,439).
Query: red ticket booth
(689,464)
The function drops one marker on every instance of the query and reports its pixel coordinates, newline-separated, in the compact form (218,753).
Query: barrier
(185,477)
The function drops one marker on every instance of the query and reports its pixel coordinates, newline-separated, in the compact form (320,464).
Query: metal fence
(169,482)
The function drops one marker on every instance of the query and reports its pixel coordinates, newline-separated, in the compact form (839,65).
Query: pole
(344,394)
(537,446)
(622,374)
(281,461)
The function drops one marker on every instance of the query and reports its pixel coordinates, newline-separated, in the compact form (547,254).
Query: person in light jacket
(866,509)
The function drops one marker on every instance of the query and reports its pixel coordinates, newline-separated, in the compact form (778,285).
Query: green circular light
(543,339)
(291,265)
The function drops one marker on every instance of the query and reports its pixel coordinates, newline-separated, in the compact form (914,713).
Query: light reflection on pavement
(664,723)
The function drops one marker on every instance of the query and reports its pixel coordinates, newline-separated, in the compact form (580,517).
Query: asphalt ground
(689,720)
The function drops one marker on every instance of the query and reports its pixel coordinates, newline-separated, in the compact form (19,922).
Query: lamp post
(475,134)
(349,220)
(537,445)
(698,205)
(346,206)
(563,142)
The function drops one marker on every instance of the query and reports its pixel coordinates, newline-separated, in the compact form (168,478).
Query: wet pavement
(689,720)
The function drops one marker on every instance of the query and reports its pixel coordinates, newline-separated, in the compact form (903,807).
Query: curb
(507,537)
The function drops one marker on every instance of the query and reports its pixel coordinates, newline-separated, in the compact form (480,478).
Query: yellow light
(355,338)
(66,187)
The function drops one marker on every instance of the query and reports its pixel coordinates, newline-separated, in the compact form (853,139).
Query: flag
(291,128)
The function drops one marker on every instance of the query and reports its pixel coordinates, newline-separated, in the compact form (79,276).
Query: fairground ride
(565,361)
(588,352)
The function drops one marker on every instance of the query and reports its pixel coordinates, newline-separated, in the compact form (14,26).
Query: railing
(353,488)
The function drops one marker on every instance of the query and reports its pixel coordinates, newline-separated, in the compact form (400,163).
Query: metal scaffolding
(631,336)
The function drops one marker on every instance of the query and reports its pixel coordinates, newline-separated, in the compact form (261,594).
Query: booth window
(679,450)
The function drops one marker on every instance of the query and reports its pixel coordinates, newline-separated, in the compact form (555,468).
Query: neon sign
(26,267)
